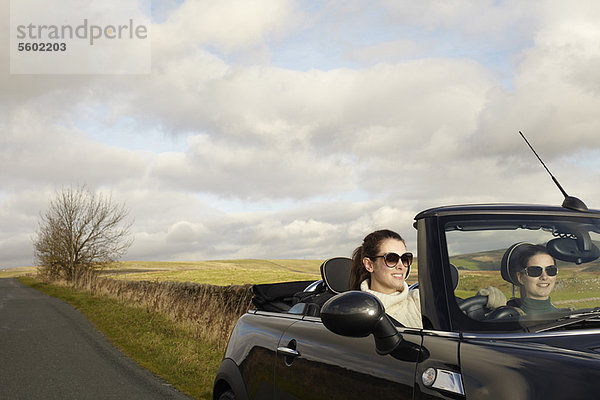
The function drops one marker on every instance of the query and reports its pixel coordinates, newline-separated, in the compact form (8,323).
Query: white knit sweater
(404,306)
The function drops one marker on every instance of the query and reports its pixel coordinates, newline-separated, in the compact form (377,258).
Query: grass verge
(170,350)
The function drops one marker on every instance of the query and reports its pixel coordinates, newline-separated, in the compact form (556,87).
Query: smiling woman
(537,276)
(380,266)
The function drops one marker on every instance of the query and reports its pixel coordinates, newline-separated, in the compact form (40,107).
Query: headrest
(336,274)
(509,265)
(454,276)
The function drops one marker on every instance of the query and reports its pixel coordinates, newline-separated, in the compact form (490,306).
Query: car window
(564,280)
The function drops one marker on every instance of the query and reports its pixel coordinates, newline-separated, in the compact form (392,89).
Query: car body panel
(440,351)
(337,367)
(532,367)
(253,347)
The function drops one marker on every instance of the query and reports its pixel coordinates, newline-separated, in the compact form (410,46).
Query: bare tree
(80,231)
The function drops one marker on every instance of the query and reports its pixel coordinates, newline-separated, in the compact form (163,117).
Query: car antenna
(570,202)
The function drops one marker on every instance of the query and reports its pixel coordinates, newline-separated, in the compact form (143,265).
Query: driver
(536,272)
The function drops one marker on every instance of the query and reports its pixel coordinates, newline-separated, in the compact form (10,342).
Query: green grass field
(16,272)
(222,272)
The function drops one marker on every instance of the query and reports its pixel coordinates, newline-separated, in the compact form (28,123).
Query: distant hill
(481,261)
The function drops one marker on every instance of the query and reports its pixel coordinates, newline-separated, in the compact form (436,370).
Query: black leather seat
(509,267)
(509,264)
(454,276)
(336,274)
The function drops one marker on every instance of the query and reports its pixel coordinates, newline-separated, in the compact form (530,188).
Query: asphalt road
(49,350)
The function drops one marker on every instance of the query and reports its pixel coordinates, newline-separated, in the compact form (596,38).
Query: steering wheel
(503,312)
(474,307)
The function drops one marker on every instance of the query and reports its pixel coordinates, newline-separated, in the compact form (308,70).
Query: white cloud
(389,52)
(488,18)
(227,25)
(304,162)
(254,172)
(555,100)
(35,150)
(186,232)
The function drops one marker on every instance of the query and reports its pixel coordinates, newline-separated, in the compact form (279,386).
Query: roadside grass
(174,351)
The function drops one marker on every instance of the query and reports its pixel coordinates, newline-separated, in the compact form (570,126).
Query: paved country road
(49,350)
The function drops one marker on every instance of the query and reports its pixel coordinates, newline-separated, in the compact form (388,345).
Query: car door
(315,363)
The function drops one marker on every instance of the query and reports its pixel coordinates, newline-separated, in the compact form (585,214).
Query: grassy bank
(166,328)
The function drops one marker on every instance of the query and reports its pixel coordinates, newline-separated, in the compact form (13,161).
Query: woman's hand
(495,297)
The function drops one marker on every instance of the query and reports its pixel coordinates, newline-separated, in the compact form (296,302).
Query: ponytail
(358,272)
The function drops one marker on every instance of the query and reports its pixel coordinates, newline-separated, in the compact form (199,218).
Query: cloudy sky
(291,129)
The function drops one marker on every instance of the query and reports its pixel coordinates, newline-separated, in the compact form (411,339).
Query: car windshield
(547,268)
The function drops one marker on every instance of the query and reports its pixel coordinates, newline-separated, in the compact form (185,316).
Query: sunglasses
(535,271)
(391,259)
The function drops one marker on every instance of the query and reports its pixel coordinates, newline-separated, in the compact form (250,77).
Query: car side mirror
(359,314)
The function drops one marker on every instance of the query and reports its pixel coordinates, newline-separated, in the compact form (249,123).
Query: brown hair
(369,248)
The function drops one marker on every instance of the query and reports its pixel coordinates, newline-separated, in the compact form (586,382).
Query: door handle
(287,351)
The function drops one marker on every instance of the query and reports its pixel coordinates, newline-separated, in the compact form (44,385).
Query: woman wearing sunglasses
(380,266)
(537,277)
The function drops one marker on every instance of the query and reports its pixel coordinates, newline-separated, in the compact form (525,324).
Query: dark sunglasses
(391,259)
(534,271)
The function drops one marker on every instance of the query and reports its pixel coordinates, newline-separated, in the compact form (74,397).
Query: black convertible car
(318,340)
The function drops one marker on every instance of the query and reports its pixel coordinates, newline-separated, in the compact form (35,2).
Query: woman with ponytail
(380,266)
